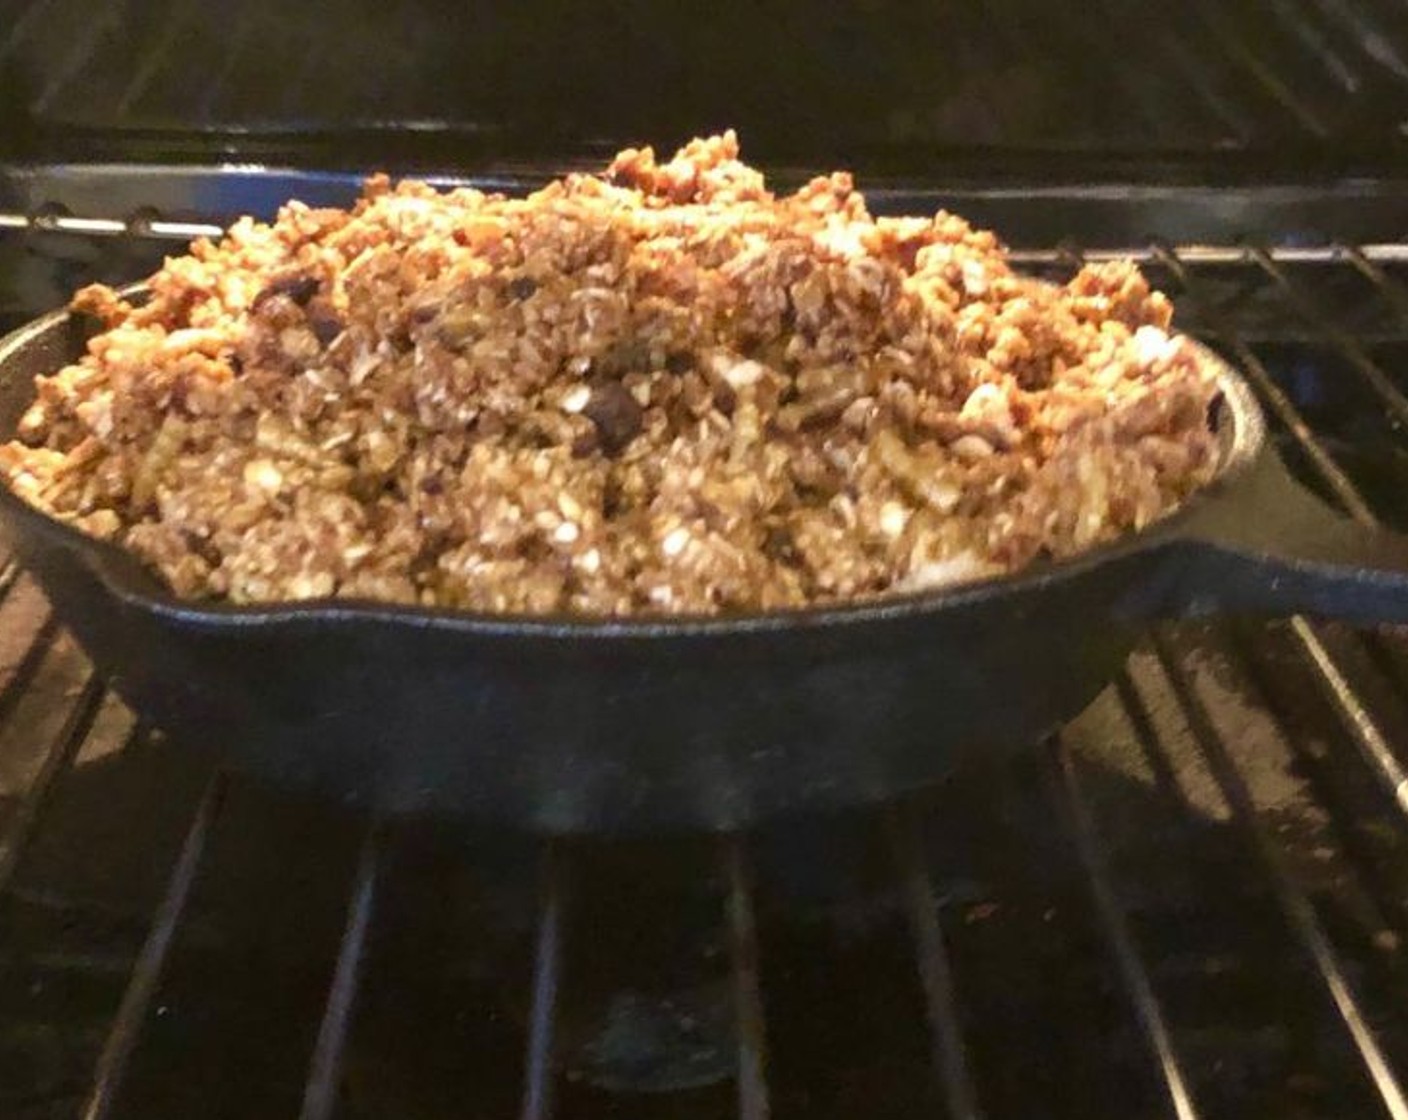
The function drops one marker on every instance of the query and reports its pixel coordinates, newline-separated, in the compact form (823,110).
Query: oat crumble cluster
(658,390)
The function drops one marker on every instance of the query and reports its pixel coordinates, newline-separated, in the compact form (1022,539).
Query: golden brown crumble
(662,389)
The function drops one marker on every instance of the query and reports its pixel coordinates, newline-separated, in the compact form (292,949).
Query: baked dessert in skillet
(663,389)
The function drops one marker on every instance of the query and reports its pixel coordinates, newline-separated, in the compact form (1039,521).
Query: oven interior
(1189,903)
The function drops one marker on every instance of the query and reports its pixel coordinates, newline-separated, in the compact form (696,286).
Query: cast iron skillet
(566,724)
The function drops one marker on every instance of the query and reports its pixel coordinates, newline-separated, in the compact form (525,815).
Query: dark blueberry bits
(627,356)
(586,444)
(298,288)
(617,415)
(325,327)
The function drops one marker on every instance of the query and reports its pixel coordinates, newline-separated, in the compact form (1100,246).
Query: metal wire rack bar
(949,1057)
(1347,346)
(66,744)
(9,573)
(320,1094)
(59,758)
(132,1013)
(1296,905)
(158,227)
(1116,930)
(137,227)
(1389,288)
(1367,734)
(1363,729)
(1347,789)
(27,666)
(1280,404)
(753,1102)
(539,1076)
(1200,255)
(1373,744)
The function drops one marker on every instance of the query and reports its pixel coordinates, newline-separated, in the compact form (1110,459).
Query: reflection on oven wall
(866,81)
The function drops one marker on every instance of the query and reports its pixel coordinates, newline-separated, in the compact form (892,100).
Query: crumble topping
(662,389)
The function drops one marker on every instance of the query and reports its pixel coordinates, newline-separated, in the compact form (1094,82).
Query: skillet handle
(1269,546)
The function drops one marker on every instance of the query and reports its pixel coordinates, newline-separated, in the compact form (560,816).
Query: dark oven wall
(1194,122)
(881,85)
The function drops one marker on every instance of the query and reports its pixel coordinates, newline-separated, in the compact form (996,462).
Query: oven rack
(1346,760)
